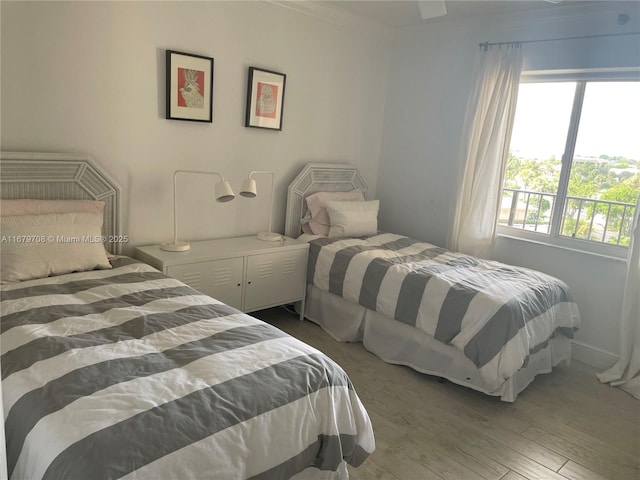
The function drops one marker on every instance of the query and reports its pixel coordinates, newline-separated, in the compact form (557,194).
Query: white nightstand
(244,272)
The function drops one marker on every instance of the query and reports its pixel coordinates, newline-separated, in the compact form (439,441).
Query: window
(573,172)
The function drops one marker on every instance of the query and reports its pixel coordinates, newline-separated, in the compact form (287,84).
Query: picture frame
(265,99)
(189,80)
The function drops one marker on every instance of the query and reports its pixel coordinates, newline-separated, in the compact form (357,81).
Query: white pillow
(317,205)
(37,246)
(353,219)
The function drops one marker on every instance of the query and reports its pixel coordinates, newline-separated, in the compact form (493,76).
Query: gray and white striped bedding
(496,314)
(126,373)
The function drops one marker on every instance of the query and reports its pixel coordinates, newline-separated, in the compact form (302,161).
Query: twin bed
(482,324)
(121,372)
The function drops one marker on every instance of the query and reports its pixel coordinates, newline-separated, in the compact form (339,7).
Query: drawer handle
(238,285)
(249,283)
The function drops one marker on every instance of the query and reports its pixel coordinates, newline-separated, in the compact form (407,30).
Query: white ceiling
(401,13)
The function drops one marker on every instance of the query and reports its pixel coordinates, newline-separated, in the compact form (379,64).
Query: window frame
(553,238)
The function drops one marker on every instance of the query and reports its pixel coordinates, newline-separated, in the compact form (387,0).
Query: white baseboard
(593,356)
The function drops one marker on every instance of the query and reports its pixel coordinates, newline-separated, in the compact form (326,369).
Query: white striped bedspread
(496,314)
(126,373)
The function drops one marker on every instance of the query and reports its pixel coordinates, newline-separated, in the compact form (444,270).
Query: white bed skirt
(395,342)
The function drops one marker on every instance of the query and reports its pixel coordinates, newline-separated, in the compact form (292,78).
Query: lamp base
(175,246)
(269,237)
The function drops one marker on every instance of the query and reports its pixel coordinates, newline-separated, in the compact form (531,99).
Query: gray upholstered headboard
(318,177)
(62,176)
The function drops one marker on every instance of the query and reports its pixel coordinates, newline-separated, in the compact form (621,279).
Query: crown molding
(594,15)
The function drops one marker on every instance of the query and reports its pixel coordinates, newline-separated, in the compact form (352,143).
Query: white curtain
(488,125)
(626,373)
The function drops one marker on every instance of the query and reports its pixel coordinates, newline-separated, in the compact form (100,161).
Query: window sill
(617,258)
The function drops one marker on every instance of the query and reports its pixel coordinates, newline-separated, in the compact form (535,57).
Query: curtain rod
(486,45)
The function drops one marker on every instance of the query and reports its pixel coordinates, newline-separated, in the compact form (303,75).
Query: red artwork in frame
(189,82)
(265,99)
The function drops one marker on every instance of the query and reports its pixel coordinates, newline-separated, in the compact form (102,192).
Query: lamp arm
(200,172)
(175,208)
(273,181)
(175,196)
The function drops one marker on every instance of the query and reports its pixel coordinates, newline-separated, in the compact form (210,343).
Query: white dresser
(244,272)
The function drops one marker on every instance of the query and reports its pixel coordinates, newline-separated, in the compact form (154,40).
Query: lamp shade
(224,192)
(248,188)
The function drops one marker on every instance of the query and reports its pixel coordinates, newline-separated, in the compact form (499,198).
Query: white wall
(420,166)
(88,77)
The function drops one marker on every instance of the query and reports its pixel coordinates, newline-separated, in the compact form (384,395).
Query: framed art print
(265,99)
(189,87)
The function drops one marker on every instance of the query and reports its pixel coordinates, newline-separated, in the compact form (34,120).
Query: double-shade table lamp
(223,193)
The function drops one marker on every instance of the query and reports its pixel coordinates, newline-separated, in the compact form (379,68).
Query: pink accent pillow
(306,229)
(28,206)
(31,206)
(317,205)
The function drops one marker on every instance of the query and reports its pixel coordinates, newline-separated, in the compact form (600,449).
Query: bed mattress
(401,344)
(126,373)
(496,315)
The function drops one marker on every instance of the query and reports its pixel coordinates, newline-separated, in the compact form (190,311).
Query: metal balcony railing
(590,219)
